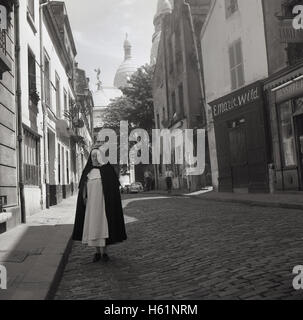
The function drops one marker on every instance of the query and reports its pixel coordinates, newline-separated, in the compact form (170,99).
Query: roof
(103,96)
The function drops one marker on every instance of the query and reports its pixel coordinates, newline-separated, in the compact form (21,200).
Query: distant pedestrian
(99,218)
(148,180)
(169,180)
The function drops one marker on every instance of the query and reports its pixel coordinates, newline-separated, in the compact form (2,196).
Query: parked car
(136,187)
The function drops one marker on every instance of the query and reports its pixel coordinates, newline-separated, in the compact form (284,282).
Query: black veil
(87,169)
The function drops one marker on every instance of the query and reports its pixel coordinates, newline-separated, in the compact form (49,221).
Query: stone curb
(255,203)
(59,273)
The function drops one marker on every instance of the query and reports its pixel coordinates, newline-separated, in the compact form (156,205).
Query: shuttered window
(31,159)
(58,100)
(236,65)
(47,81)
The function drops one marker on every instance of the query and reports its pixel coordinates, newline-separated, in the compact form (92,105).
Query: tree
(136,104)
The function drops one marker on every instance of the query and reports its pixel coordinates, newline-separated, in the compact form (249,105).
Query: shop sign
(236,100)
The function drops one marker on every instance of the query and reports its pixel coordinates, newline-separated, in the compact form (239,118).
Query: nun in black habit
(99,218)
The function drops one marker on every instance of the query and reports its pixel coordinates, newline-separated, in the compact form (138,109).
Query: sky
(99,29)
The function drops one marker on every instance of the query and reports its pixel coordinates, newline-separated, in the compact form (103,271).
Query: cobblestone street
(181,248)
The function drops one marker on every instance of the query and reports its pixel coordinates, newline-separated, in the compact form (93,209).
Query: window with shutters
(67,167)
(47,81)
(31,159)
(173,101)
(32,86)
(59,163)
(236,65)
(65,101)
(58,100)
(231,6)
(181,98)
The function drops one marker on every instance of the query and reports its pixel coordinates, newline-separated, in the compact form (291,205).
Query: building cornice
(55,34)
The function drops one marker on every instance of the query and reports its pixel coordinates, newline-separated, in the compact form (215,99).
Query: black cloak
(113,205)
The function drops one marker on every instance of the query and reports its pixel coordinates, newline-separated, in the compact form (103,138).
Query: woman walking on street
(99,218)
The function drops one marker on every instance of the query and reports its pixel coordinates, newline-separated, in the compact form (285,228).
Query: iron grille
(3,41)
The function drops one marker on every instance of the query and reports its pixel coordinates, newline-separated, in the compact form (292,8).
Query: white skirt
(95,231)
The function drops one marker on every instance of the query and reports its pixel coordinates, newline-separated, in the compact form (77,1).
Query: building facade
(37,97)
(284,94)
(234,63)
(10,200)
(178,84)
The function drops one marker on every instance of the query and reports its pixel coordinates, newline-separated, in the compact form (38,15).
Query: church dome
(127,68)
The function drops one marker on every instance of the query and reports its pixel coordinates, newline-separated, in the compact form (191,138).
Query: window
(231,6)
(59,164)
(58,102)
(236,65)
(32,88)
(173,101)
(181,97)
(67,167)
(171,56)
(47,81)
(31,159)
(3,24)
(65,101)
(287,134)
(31,8)
(63,164)
(158,121)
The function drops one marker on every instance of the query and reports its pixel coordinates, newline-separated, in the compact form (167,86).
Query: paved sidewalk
(283,200)
(34,253)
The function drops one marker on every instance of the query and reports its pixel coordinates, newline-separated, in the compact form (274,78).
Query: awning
(283,77)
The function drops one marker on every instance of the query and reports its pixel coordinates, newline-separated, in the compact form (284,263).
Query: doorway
(238,156)
(299,133)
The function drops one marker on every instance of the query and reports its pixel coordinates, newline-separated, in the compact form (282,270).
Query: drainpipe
(19,111)
(44,108)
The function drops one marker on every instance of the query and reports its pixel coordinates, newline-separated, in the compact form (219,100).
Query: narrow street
(184,248)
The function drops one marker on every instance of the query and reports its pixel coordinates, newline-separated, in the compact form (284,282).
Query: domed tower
(164,7)
(127,68)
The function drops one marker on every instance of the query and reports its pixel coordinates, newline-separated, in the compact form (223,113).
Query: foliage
(136,104)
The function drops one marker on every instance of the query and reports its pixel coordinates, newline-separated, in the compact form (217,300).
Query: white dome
(124,72)
(127,68)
